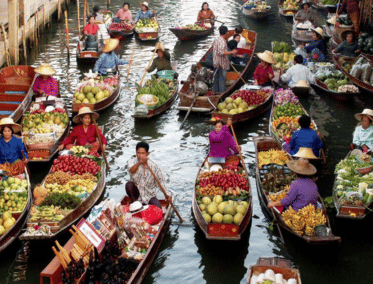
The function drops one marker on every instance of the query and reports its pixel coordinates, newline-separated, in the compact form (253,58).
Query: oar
(190,108)
(67,36)
(165,194)
(100,141)
(239,152)
(239,74)
(150,62)
(129,65)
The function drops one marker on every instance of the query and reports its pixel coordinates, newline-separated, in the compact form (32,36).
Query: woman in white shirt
(363,135)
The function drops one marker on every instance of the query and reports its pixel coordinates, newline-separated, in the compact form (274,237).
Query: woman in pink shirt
(221,141)
(45,84)
(124,14)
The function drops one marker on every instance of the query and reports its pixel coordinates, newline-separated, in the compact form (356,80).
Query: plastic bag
(367,71)
(356,71)
(371,78)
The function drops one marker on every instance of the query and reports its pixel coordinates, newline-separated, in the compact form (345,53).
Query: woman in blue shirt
(305,137)
(316,47)
(144,13)
(11,147)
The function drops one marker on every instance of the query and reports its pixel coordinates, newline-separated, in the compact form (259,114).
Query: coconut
(225,111)
(221,106)
(238,101)
(228,100)
(233,111)
(217,218)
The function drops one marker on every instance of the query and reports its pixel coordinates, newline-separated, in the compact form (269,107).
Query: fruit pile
(284,96)
(284,126)
(225,179)
(47,213)
(13,184)
(13,201)
(6,222)
(290,5)
(40,122)
(120,27)
(79,150)
(75,165)
(284,60)
(279,195)
(95,90)
(289,110)
(334,80)
(278,157)
(195,27)
(163,89)
(274,180)
(14,169)
(305,220)
(146,25)
(219,211)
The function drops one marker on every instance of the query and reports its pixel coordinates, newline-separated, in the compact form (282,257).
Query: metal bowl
(66,152)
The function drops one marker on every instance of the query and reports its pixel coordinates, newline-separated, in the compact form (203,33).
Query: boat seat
(5,113)
(14,87)
(13,103)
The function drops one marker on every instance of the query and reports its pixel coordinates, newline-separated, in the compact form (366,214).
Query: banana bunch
(271,156)
(279,195)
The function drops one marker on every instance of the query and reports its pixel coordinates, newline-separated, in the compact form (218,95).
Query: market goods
(228,180)
(305,220)
(284,126)
(280,47)
(121,26)
(95,90)
(62,200)
(75,165)
(278,157)
(13,201)
(345,21)
(333,80)
(41,122)
(160,88)
(288,110)
(40,191)
(279,195)
(365,42)
(249,5)
(58,177)
(348,89)
(284,96)
(47,213)
(12,184)
(79,150)
(146,25)
(195,27)
(329,2)
(14,169)
(283,54)
(290,5)
(276,180)
(7,221)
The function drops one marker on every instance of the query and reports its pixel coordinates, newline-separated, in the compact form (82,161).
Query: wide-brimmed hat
(332,20)
(7,121)
(145,4)
(161,47)
(136,207)
(45,69)
(304,2)
(267,56)
(83,111)
(305,153)
(110,44)
(368,112)
(302,84)
(319,31)
(302,167)
(344,34)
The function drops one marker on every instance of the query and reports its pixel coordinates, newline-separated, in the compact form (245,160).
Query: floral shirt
(261,74)
(363,136)
(81,138)
(49,86)
(219,47)
(145,181)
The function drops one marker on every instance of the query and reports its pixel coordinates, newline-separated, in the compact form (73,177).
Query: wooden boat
(53,272)
(338,96)
(187,34)
(328,8)
(148,36)
(102,104)
(21,219)
(15,90)
(74,215)
(278,265)
(86,56)
(301,36)
(162,108)
(362,85)
(121,33)
(265,143)
(246,115)
(289,13)
(206,103)
(255,13)
(223,232)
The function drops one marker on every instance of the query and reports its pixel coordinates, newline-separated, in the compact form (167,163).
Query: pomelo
(228,219)
(237,219)
(217,218)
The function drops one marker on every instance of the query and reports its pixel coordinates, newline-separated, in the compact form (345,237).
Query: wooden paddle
(24,157)
(239,74)
(165,193)
(100,141)
(78,16)
(239,152)
(150,62)
(188,112)
(130,64)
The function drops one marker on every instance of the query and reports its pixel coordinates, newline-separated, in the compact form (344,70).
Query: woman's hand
(365,148)
(270,205)
(270,76)
(61,147)
(104,147)
(238,147)
(169,199)
(130,61)
(301,46)
(25,161)
(146,70)
(229,122)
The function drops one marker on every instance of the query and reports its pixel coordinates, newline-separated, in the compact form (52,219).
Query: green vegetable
(63,200)
(370,199)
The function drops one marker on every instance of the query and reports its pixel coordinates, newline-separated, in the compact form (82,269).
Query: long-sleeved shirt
(163,63)
(91,29)
(108,60)
(144,180)
(12,150)
(302,192)
(144,15)
(261,74)
(124,15)
(81,138)
(319,44)
(219,48)
(221,142)
(350,5)
(242,43)
(347,49)
(296,73)
(202,17)
(305,137)
(49,86)
(363,136)
(309,15)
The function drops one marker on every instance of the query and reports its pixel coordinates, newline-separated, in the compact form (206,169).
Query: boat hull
(255,14)
(185,34)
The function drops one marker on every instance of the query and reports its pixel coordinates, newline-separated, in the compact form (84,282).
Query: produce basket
(166,74)
(149,100)
(365,170)
(40,146)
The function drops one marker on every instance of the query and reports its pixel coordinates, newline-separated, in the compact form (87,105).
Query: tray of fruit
(146,25)
(93,91)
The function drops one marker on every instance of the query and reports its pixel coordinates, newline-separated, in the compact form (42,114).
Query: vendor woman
(221,140)
(306,13)
(11,147)
(163,61)
(316,48)
(205,15)
(349,46)
(144,13)
(303,191)
(363,135)
(264,73)
(91,28)
(45,84)
(84,133)
(124,14)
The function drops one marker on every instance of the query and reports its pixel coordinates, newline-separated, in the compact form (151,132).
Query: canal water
(185,255)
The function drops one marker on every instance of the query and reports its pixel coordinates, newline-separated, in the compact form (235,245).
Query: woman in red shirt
(91,28)
(84,133)
(264,73)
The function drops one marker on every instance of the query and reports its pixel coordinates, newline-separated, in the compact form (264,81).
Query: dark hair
(236,35)
(203,4)
(142,144)
(298,58)
(223,30)
(96,9)
(232,44)
(91,16)
(218,121)
(350,33)
(317,34)
(304,121)
(126,3)
(239,30)
(3,127)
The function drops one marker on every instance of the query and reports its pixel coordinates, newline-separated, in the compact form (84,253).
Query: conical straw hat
(110,44)
(7,121)
(319,31)
(302,84)
(302,166)
(368,112)
(82,112)
(45,69)
(305,153)
(267,56)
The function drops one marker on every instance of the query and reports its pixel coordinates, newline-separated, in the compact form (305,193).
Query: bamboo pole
(108,4)
(129,65)
(78,15)
(24,43)
(100,141)
(6,46)
(150,62)
(84,13)
(59,11)
(67,35)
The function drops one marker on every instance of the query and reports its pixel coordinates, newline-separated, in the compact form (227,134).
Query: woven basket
(40,146)
(365,170)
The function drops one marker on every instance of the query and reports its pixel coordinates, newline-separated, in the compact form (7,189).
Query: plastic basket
(166,74)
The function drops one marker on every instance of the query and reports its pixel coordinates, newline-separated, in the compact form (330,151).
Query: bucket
(321,230)
(166,74)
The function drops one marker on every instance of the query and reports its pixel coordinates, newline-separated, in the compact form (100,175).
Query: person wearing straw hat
(353,12)
(305,137)
(264,73)
(306,13)
(84,133)
(11,147)
(144,12)
(349,46)
(298,72)
(303,191)
(163,61)
(363,134)
(108,59)
(316,48)
(45,84)
(222,143)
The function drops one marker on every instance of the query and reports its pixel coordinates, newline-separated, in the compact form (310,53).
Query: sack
(356,71)
(367,71)
(371,78)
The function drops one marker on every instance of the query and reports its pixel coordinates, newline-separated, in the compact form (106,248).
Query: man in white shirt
(242,41)
(298,72)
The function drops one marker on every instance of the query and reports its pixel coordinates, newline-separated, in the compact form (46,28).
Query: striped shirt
(219,47)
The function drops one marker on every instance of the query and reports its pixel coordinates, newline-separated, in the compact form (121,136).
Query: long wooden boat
(338,96)
(102,104)
(86,56)
(187,34)
(255,13)
(15,90)
(246,115)
(265,143)
(53,272)
(362,85)
(162,108)
(221,231)
(148,36)
(74,215)
(288,13)
(328,8)
(278,265)
(21,219)
(207,103)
